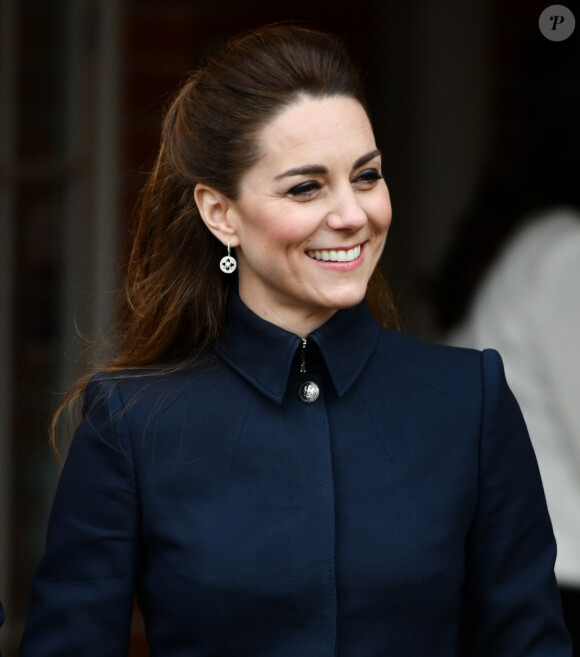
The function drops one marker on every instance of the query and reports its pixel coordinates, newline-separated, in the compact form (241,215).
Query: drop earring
(228,263)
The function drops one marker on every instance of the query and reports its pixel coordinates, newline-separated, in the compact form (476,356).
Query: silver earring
(228,263)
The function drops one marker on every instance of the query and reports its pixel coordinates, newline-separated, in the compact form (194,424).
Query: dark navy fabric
(252,524)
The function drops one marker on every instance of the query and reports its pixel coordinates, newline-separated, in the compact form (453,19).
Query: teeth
(335,255)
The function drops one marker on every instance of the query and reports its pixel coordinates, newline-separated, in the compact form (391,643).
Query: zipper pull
(303,357)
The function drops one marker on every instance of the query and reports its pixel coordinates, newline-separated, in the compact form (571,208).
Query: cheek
(380,212)
(281,230)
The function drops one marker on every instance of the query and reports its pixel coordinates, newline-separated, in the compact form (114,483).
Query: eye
(369,177)
(304,191)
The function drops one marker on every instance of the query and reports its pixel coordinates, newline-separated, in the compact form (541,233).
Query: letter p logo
(557,22)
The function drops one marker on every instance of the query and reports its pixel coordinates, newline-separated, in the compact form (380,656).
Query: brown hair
(174,293)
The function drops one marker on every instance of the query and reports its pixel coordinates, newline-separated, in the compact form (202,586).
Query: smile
(335,255)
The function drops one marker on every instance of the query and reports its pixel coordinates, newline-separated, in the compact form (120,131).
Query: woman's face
(312,215)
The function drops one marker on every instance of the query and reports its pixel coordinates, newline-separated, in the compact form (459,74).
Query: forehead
(312,129)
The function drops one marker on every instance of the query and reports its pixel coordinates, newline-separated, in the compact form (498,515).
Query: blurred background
(83,84)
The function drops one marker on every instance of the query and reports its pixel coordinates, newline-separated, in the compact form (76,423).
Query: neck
(294,320)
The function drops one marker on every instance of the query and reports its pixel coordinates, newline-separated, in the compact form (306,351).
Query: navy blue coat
(253,524)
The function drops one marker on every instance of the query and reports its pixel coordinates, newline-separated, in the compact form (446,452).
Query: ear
(213,207)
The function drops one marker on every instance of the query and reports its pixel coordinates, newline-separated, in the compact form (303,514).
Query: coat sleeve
(514,600)
(83,590)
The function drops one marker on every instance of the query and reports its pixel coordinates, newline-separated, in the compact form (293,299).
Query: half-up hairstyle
(174,296)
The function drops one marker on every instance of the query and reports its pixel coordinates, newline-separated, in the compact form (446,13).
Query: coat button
(308,392)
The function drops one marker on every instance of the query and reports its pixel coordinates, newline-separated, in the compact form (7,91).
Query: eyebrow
(310,169)
(366,158)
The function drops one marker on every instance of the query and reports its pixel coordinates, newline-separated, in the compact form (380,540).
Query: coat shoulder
(148,413)
(442,366)
(152,389)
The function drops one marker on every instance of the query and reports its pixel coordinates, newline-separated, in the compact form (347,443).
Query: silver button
(309,392)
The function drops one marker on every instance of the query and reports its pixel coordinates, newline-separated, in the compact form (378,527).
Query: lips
(335,255)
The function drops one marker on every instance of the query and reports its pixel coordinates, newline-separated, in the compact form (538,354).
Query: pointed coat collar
(263,353)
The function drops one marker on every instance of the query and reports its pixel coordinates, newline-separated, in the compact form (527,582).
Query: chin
(346,299)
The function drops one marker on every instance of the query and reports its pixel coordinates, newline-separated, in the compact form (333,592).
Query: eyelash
(370,176)
(305,190)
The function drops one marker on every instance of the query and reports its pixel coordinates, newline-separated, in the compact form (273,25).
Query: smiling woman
(310,222)
(269,467)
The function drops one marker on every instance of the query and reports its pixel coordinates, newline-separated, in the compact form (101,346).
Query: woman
(269,470)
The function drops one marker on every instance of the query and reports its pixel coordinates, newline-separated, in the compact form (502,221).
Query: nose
(346,212)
